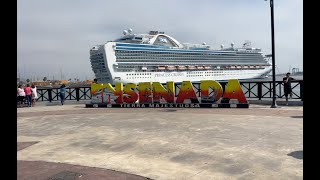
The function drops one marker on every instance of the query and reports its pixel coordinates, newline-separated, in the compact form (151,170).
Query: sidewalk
(66,141)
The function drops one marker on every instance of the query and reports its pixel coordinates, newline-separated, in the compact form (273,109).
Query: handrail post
(77,93)
(50,94)
(259,90)
(301,90)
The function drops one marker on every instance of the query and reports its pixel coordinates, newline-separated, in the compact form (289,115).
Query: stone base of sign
(168,105)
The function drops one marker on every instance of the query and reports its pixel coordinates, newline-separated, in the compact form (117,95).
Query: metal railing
(252,89)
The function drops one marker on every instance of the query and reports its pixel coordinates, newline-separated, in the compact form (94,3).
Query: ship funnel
(125,32)
(221,46)
(232,44)
(130,30)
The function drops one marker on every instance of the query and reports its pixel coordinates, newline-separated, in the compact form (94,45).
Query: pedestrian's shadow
(296,154)
(297,116)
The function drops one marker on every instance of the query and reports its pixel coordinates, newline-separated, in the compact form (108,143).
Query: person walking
(62,93)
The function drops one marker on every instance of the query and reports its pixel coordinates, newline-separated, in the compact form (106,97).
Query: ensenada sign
(150,94)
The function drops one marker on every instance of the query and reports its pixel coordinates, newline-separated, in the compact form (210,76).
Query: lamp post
(274,103)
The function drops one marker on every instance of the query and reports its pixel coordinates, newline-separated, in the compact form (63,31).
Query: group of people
(27,93)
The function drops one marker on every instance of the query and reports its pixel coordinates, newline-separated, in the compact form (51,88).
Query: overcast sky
(55,36)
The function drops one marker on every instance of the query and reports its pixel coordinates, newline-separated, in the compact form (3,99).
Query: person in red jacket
(28,92)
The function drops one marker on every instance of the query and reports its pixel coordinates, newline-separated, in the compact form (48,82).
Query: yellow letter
(118,92)
(216,86)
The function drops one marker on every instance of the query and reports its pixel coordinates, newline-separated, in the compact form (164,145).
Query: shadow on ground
(297,116)
(22,145)
(296,154)
(62,171)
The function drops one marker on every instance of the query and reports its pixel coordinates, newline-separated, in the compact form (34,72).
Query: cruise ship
(158,57)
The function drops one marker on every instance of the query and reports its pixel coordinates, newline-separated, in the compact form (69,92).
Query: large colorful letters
(154,92)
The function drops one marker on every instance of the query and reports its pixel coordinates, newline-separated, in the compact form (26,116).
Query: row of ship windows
(139,77)
(144,77)
(218,71)
(189,60)
(137,74)
(182,55)
(188,57)
(215,72)
(97,59)
(190,75)
(100,67)
(179,52)
(189,71)
(96,56)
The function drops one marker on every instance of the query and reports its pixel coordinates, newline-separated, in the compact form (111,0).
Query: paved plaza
(74,142)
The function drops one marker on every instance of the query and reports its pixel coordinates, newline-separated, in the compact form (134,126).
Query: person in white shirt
(21,94)
(34,94)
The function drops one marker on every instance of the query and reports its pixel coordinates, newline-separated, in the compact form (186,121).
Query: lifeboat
(161,67)
(191,67)
(251,67)
(207,67)
(181,67)
(238,67)
(232,67)
(199,67)
(171,67)
(246,67)
(144,68)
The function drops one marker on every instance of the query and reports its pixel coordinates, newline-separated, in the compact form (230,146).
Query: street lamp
(274,103)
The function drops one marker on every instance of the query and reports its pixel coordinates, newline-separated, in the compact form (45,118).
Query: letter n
(159,91)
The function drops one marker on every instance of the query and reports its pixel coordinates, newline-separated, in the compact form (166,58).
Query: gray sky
(55,36)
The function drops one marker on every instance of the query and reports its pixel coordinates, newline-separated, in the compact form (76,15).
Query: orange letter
(186,92)
(233,90)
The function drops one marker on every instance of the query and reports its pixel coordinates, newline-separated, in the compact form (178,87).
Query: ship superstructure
(158,57)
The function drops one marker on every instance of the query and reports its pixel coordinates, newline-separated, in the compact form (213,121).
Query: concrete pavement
(255,143)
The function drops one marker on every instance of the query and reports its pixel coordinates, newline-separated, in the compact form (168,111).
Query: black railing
(252,89)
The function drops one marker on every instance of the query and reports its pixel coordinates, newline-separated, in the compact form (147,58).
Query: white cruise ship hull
(163,77)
